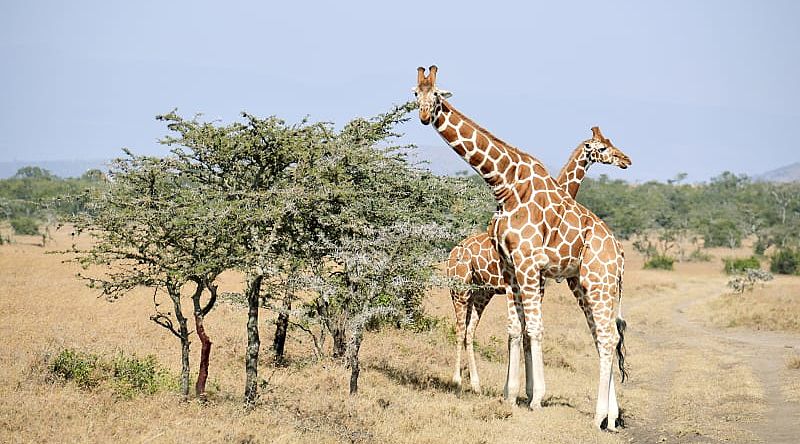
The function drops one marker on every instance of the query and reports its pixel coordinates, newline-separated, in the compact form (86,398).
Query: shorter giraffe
(475,264)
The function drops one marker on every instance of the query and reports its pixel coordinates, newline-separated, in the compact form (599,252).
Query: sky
(680,86)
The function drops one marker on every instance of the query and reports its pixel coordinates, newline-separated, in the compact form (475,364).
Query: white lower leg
(474,379)
(537,370)
(613,407)
(601,410)
(526,346)
(512,376)
(457,371)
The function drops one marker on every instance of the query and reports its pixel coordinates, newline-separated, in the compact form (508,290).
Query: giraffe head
(428,95)
(599,149)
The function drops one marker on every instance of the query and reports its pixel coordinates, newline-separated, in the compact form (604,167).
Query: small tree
(155,227)
(384,225)
(747,279)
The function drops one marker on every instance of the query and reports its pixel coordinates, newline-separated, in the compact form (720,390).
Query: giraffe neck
(574,171)
(507,170)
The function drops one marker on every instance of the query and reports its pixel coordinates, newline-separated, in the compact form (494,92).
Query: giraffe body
(539,231)
(475,263)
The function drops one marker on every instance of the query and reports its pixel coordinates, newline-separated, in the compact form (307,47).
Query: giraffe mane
(492,137)
(572,156)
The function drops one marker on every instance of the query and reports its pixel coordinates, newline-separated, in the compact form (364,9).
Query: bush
(660,262)
(785,261)
(132,375)
(748,279)
(72,365)
(699,255)
(127,376)
(739,265)
(25,226)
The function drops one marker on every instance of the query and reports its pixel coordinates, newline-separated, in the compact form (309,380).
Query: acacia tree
(154,227)
(383,225)
(249,165)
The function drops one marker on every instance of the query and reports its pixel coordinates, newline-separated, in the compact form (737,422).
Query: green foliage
(35,192)
(723,211)
(132,376)
(81,368)
(26,226)
(127,376)
(739,265)
(659,262)
(785,261)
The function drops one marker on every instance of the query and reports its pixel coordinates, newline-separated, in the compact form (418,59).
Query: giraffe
(474,264)
(540,232)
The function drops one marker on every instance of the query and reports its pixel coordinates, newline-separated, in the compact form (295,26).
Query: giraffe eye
(603,149)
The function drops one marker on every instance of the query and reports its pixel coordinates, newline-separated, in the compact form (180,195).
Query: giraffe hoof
(601,422)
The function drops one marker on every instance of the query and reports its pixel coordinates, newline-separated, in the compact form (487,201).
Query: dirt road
(701,384)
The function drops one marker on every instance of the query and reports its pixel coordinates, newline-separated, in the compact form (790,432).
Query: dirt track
(706,384)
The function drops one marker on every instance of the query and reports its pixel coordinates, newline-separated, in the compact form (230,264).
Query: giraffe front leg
(531,292)
(460,306)
(478,304)
(511,389)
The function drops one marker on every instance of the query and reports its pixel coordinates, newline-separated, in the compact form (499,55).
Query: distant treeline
(721,212)
(34,197)
(662,218)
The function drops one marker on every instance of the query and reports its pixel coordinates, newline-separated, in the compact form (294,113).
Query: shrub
(660,262)
(132,375)
(699,255)
(748,279)
(739,265)
(127,376)
(25,226)
(785,261)
(72,365)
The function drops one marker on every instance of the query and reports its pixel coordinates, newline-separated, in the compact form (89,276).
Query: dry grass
(406,394)
(773,306)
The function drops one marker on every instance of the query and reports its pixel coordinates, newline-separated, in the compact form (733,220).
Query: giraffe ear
(445,94)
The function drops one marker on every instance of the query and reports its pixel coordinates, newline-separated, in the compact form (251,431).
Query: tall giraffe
(475,264)
(540,232)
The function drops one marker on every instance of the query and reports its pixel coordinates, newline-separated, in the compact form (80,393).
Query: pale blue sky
(690,85)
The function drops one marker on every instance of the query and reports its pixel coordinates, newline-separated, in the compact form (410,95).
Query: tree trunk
(205,355)
(205,342)
(355,346)
(253,341)
(339,338)
(281,327)
(183,335)
(184,359)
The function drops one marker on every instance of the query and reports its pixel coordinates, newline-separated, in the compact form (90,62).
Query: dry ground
(691,379)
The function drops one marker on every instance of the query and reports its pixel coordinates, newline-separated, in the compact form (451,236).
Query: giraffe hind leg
(460,307)
(478,304)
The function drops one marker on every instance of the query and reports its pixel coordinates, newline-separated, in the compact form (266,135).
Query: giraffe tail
(621,326)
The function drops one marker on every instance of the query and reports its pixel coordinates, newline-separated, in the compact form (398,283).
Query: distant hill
(61,168)
(788,173)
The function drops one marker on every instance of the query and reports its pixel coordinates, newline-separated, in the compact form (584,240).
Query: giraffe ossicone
(539,231)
